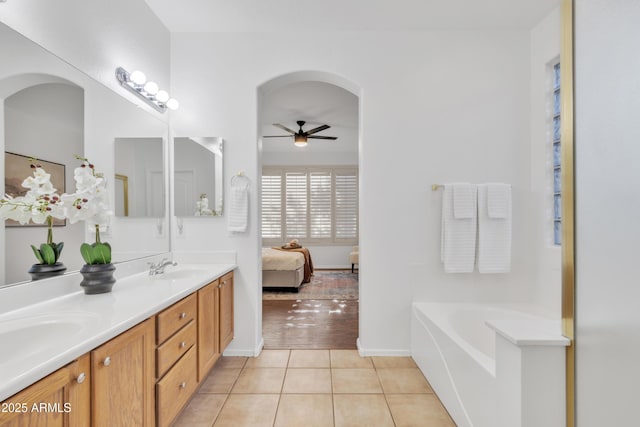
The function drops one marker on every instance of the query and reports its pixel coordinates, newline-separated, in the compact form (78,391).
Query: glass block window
(557,172)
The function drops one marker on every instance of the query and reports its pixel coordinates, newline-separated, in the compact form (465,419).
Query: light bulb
(300,140)
(173,104)
(138,77)
(162,96)
(151,88)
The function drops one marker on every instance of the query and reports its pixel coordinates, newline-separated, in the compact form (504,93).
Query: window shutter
(296,205)
(272,205)
(320,204)
(346,204)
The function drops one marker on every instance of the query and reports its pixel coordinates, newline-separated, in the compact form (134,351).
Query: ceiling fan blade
(277,136)
(284,128)
(323,137)
(318,129)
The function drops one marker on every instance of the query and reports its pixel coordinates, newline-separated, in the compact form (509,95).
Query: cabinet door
(122,391)
(208,328)
(226,310)
(60,399)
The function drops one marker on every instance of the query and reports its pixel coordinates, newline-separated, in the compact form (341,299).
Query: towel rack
(240,179)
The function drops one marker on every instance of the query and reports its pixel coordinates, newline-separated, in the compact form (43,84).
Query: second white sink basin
(23,337)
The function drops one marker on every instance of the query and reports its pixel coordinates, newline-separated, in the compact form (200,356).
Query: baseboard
(366,352)
(245,352)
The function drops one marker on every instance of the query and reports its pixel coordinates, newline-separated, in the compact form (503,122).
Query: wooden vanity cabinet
(177,359)
(226,310)
(122,387)
(215,322)
(144,377)
(208,328)
(61,399)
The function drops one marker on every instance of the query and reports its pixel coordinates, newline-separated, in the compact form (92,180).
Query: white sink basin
(34,334)
(179,273)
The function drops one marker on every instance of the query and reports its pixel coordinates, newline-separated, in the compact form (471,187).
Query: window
(314,205)
(557,179)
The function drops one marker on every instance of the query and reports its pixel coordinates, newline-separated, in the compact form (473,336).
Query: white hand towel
(464,200)
(494,236)
(238,208)
(498,200)
(458,238)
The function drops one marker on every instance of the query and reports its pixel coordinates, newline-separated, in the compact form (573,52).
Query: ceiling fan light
(300,141)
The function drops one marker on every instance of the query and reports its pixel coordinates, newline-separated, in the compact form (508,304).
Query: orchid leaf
(57,249)
(36,252)
(102,253)
(87,253)
(48,254)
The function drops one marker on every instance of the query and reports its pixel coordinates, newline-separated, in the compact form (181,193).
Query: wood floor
(310,324)
(322,315)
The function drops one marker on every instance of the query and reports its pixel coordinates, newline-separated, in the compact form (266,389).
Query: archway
(319,154)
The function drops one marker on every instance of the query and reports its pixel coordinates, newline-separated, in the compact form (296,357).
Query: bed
(286,268)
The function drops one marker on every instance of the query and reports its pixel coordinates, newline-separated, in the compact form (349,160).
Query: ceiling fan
(300,138)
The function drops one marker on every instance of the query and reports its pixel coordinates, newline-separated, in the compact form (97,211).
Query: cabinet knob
(183,384)
(81,378)
(183,344)
(107,361)
(220,286)
(183,315)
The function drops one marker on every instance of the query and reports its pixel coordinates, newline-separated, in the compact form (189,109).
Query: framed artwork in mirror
(17,168)
(122,195)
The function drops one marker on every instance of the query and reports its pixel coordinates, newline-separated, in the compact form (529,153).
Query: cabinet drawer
(176,387)
(171,350)
(175,317)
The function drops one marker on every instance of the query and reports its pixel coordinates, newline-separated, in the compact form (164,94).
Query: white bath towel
(494,236)
(458,238)
(498,200)
(238,207)
(464,200)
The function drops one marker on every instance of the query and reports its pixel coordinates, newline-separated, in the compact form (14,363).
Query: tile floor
(314,388)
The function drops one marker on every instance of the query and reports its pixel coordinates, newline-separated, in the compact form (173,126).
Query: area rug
(325,284)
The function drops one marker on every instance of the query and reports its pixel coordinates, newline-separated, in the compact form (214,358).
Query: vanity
(134,356)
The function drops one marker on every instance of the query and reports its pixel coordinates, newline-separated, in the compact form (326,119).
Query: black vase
(42,271)
(97,278)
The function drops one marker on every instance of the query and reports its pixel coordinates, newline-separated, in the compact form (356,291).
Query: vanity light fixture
(137,83)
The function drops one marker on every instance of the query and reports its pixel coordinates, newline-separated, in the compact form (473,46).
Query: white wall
(96,37)
(435,107)
(607,84)
(546,259)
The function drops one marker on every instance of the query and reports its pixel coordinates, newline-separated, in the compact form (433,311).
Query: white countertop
(82,322)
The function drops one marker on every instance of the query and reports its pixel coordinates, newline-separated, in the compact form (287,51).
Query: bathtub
(456,350)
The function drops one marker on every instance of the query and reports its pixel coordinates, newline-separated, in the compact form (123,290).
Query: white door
(155,194)
(185,194)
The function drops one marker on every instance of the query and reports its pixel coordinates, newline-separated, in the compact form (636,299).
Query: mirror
(198,172)
(139,177)
(83,117)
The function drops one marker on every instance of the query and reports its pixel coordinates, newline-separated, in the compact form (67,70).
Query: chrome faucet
(155,269)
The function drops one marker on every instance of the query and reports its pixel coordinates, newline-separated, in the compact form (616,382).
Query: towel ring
(240,180)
